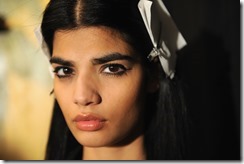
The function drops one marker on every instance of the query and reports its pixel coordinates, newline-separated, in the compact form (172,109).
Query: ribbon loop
(164,34)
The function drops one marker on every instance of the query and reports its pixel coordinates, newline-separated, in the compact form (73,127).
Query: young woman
(112,103)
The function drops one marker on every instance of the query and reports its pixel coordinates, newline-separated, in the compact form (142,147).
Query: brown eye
(62,72)
(115,69)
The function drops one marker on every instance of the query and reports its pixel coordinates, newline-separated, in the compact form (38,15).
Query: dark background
(209,67)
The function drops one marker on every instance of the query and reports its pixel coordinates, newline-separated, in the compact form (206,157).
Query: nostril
(99,99)
(89,103)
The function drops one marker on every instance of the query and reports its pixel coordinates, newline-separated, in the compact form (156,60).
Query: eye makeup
(110,64)
(63,72)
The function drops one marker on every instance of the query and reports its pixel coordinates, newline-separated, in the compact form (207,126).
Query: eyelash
(65,69)
(67,72)
(122,69)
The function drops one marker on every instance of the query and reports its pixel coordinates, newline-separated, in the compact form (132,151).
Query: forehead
(93,38)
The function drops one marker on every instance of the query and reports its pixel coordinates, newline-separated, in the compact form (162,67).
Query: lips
(89,122)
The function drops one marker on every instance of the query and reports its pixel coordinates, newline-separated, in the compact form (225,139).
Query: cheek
(125,113)
(125,99)
(133,91)
(64,97)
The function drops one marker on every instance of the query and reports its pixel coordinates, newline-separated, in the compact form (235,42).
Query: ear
(152,86)
(153,78)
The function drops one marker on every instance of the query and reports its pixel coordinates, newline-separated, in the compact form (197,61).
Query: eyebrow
(61,61)
(95,61)
(112,57)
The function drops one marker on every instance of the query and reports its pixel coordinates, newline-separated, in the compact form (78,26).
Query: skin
(84,84)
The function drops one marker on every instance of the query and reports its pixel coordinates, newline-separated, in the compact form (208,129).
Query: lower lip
(91,125)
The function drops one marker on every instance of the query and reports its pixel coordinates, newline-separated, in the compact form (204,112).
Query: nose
(85,92)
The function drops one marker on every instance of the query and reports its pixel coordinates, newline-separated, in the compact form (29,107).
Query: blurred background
(25,82)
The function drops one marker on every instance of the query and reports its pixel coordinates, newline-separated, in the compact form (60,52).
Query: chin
(93,144)
(93,140)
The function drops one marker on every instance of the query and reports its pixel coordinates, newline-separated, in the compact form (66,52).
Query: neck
(132,151)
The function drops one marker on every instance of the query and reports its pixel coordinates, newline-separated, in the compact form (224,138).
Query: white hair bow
(165,36)
(44,47)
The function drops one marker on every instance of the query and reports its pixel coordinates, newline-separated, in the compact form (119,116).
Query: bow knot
(161,29)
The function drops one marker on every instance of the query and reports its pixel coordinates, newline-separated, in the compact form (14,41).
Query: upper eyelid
(118,63)
(57,68)
(112,64)
(62,66)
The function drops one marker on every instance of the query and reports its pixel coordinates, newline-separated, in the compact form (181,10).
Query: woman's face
(98,84)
